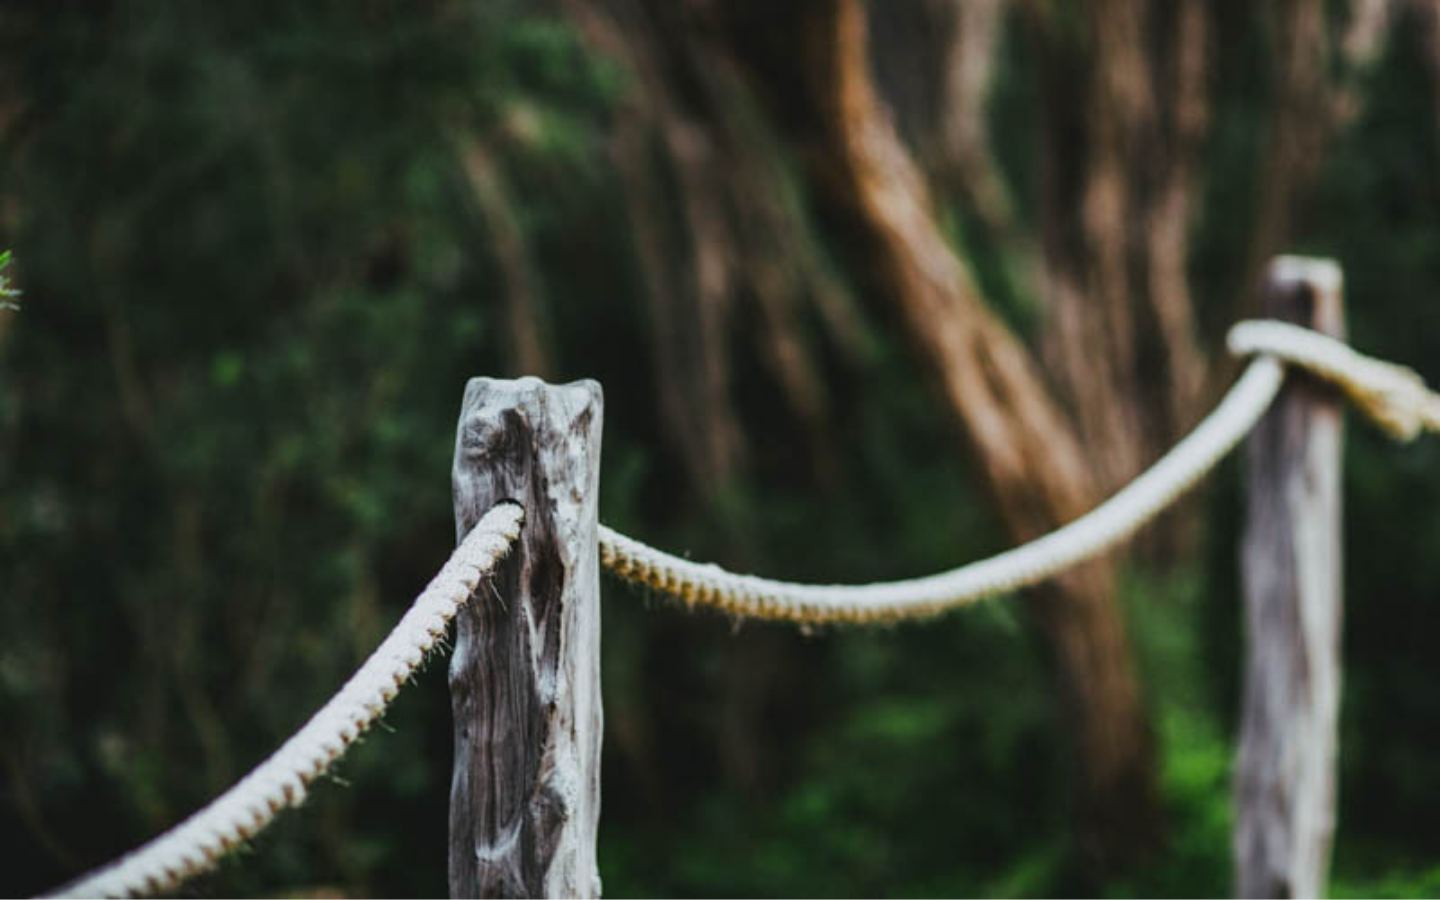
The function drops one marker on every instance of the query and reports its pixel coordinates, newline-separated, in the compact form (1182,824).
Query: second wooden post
(1291,569)
(525,674)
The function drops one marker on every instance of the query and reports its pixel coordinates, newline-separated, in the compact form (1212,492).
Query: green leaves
(6,291)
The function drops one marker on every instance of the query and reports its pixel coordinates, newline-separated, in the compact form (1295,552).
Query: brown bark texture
(719,229)
(1316,80)
(1125,113)
(528,344)
(1032,460)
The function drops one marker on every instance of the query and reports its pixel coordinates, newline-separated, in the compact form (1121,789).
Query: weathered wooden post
(525,675)
(1291,562)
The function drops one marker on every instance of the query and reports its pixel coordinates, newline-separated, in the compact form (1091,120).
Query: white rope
(1090,535)
(240,813)
(1395,397)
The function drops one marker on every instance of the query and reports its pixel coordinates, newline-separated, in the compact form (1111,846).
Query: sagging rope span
(198,843)
(1394,396)
(1090,535)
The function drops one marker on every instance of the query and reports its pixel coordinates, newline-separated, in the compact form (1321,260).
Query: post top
(528,392)
(1320,272)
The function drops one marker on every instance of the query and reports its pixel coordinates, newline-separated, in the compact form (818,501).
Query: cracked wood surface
(525,674)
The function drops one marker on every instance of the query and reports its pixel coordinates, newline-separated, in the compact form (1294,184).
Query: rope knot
(1394,397)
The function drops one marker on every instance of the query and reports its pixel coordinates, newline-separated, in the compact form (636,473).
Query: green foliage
(227,416)
(1421,879)
(7,293)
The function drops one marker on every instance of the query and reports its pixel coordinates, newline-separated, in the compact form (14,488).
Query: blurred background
(872,290)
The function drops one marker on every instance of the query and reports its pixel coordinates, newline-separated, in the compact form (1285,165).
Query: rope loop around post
(1395,397)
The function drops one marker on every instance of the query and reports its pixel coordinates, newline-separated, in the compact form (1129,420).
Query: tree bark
(962,157)
(528,344)
(1125,116)
(1126,112)
(1033,462)
(1315,85)
(669,159)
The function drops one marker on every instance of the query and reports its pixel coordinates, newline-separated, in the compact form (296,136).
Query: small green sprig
(7,293)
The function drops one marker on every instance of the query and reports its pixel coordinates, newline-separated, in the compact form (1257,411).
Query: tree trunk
(1033,462)
(527,342)
(1125,114)
(1315,86)
(715,228)
(1126,109)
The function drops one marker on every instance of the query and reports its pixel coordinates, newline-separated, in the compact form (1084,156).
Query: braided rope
(198,843)
(1090,535)
(1394,396)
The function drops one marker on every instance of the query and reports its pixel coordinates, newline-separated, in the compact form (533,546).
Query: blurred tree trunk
(1426,14)
(719,230)
(527,341)
(1033,461)
(721,237)
(954,142)
(1316,93)
(1125,110)
(1124,113)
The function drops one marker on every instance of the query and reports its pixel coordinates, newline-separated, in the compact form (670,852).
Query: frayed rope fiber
(1394,397)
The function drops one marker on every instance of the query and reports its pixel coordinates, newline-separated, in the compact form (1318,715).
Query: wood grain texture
(1291,571)
(525,675)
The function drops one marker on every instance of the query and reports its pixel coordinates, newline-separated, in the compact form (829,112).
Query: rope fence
(1395,397)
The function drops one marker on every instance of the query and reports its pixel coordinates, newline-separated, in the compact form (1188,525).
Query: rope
(198,843)
(1394,396)
(1090,535)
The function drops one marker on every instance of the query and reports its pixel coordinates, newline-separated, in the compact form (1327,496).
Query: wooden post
(1285,778)
(525,675)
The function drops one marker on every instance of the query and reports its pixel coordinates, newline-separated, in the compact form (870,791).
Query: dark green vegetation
(7,293)
(255,281)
